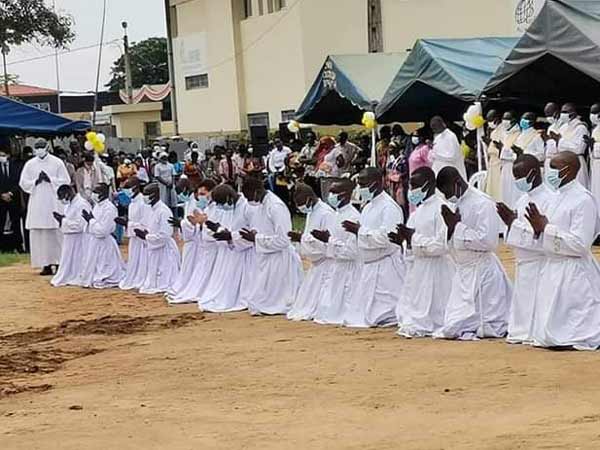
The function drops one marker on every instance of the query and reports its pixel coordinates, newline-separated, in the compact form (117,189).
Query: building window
(196,82)
(258,120)
(287,115)
(151,129)
(247,8)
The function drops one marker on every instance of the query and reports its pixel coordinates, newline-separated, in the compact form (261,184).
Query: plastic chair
(478,180)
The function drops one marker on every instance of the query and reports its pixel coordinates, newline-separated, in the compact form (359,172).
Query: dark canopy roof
(558,57)
(440,76)
(19,118)
(347,86)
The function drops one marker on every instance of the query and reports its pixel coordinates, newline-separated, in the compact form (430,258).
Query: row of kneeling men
(436,274)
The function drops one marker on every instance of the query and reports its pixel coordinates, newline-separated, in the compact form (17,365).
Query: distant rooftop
(24,90)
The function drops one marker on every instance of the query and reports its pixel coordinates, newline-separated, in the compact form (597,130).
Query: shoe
(47,271)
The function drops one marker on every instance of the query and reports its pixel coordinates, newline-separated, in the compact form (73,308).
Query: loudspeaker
(259,137)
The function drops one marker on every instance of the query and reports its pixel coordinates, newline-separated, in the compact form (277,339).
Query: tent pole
(373,149)
(479,149)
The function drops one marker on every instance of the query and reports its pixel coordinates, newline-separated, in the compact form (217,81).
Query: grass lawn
(7,259)
(298,222)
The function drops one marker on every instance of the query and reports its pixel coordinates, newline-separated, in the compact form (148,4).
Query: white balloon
(101,137)
(89,146)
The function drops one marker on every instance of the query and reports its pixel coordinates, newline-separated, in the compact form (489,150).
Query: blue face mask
(417,196)
(525,124)
(334,200)
(202,202)
(305,209)
(226,207)
(365,194)
(183,197)
(553,178)
(523,185)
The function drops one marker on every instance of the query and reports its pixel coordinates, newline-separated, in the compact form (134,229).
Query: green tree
(27,21)
(149,65)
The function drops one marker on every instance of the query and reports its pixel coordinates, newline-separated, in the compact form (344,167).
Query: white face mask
(507,124)
(40,152)
(147,199)
(492,125)
(3,159)
(564,118)
(595,119)
(415,140)
(65,202)
(95,197)
(551,120)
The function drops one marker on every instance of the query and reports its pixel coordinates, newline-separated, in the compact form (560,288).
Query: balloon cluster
(293,126)
(95,141)
(369,120)
(473,117)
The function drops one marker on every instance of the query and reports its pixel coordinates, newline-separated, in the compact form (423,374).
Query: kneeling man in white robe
(480,297)
(529,254)
(319,216)
(382,277)
(567,298)
(278,269)
(430,269)
(163,254)
(104,267)
(72,224)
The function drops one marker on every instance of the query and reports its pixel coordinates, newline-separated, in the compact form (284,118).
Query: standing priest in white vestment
(163,254)
(382,277)
(278,269)
(73,225)
(529,141)
(137,215)
(446,149)
(552,113)
(428,281)
(41,178)
(594,144)
(319,216)
(567,298)
(573,137)
(508,154)
(336,306)
(103,266)
(529,254)
(480,297)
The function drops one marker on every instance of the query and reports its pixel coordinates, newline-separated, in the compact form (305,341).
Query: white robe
(46,239)
(551,147)
(572,138)
(531,143)
(376,296)
(225,289)
(510,194)
(595,163)
(429,274)
(310,295)
(529,260)
(74,243)
(567,300)
(480,297)
(163,254)
(446,152)
(137,259)
(104,267)
(278,269)
(345,272)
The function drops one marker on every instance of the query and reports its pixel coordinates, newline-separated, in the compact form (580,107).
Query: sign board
(191,53)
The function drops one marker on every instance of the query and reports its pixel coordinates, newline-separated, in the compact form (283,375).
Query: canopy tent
(19,118)
(440,76)
(347,86)
(558,57)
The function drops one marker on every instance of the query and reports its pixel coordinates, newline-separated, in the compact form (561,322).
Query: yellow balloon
(478,121)
(90,136)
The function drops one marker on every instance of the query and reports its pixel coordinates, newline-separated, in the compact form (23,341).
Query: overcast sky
(78,68)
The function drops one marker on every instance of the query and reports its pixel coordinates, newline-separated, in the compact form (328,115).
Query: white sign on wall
(526,12)
(192,54)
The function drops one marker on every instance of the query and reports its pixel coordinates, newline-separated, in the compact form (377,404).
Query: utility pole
(4,50)
(57,67)
(128,76)
(375,31)
(171,66)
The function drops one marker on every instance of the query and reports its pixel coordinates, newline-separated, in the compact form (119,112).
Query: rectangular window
(196,82)
(258,119)
(247,8)
(287,115)
(151,129)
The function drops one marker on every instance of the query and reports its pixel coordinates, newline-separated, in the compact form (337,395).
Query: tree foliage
(149,65)
(29,21)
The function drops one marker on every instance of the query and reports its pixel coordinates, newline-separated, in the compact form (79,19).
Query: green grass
(8,259)
(298,223)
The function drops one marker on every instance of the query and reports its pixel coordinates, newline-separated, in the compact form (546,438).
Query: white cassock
(138,216)
(278,268)
(311,292)
(225,289)
(567,301)
(199,265)
(510,194)
(595,163)
(446,152)
(551,147)
(430,270)
(191,236)
(345,272)
(531,143)
(573,139)
(480,297)
(45,236)
(375,299)
(163,254)
(529,260)
(74,243)
(104,267)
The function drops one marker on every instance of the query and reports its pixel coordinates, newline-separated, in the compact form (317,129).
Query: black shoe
(47,271)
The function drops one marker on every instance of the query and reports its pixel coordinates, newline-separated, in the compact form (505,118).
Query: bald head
(450,183)
(570,110)
(224,194)
(343,189)
(424,177)
(551,110)
(102,190)
(493,116)
(152,191)
(304,195)
(65,192)
(568,164)
(528,167)
(253,189)
(437,124)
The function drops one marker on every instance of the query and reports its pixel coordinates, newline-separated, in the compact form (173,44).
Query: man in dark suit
(11,238)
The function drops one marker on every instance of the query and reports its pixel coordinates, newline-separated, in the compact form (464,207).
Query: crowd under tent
(17,118)
(347,86)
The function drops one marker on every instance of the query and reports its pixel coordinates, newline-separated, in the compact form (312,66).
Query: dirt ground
(110,370)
